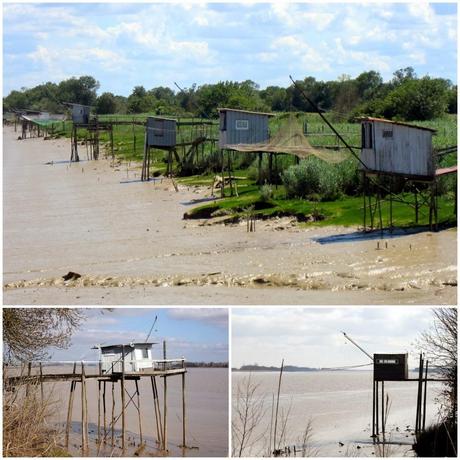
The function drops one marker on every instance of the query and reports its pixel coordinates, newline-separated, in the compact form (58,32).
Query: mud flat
(130,244)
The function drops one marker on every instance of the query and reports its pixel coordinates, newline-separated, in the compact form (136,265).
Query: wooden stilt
(84,433)
(98,414)
(165,403)
(159,424)
(122,385)
(104,409)
(373,409)
(424,396)
(183,411)
(139,410)
(391,205)
(260,169)
(113,414)
(222,190)
(41,381)
(73,383)
(377,431)
(29,373)
(383,409)
(419,396)
(364,180)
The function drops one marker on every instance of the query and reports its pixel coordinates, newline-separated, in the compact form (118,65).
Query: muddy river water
(131,245)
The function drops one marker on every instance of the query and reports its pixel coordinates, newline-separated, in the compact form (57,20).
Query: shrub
(266,193)
(310,177)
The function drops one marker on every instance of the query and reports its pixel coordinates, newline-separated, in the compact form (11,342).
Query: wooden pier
(108,380)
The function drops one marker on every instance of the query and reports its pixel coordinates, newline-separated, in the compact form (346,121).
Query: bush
(312,176)
(266,193)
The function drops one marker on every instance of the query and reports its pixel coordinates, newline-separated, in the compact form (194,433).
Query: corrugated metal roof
(402,123)
(226,109)
(443,171)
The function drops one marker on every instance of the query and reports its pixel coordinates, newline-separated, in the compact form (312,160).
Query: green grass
(347,211)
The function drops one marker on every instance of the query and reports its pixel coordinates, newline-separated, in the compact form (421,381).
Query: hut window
(242,124)
(366,136)
(145,353)
(387,133)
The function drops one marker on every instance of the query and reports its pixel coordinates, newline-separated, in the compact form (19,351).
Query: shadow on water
(372,235)
(198,201)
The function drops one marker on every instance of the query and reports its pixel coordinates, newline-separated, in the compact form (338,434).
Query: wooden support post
(419,396)
(113,414)
(270,168)
(229,166)
(222,190)
(383,409)
(111,141)
(41,381)
(364,180)
(104,410)
(391,204)
(29,373)
(377,408)
(373,409)
(122,385)
(156,408)
(260,169)
(73,384)
(183,407)
(424,396)
(98,415)
(84,420)
(139,410)
(416,205)
(165,403)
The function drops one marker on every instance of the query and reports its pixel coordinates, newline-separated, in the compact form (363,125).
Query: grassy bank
(347,211)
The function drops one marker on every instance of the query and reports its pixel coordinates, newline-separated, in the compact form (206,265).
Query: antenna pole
(151,329)
(356,345)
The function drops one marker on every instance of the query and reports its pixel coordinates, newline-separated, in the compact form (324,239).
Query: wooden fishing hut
(392,150)
(119,364)
(174,135)
(394,367)
(238,130)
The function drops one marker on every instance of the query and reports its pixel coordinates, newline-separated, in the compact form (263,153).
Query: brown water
(206,414)
(129,242)
(339,405)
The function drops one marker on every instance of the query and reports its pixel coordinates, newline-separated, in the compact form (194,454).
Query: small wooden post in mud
(165,404)
(156,407)
(373,409)
(98,413)
(122,384)
(383,408)
(424,396)
(29,372)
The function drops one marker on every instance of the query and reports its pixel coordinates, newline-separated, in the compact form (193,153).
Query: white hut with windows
(136,357)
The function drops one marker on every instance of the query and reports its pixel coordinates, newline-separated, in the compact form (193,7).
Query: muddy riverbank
(130,243)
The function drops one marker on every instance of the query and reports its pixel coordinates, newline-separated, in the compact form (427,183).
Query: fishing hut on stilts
(399,157)
(92,128)
(182,140)
(122,366)
(394,367)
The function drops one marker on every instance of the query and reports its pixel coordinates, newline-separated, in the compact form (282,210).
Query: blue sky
(312,336)
(198,334)
(124,45)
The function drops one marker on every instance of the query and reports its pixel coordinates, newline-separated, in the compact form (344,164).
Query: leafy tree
(368,83)
(29,332)
(417,99)
(139,101)
(78,90)
(106,103)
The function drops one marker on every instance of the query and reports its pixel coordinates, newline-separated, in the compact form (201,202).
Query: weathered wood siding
(230,121)
(161,132)
(80,114)
(406,150)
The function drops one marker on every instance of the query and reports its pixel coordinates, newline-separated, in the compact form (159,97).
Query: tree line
(405,96)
